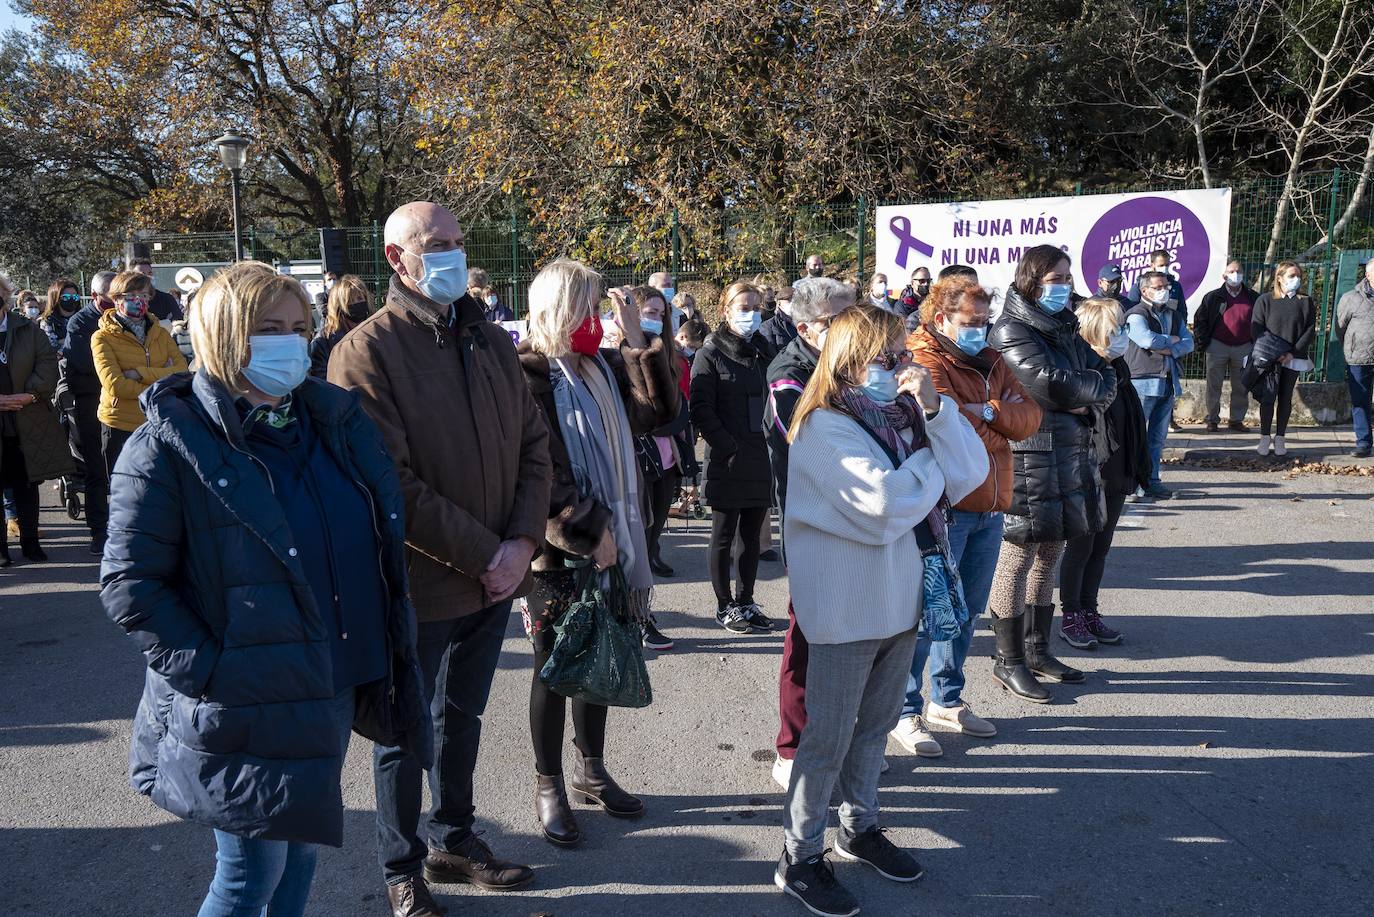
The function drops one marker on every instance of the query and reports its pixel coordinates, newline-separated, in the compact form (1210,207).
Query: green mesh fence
(707,250)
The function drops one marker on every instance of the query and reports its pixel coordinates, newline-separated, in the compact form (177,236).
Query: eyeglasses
(134,297)
(890,361)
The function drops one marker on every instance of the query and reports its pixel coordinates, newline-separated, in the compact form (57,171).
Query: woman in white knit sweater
(877,458)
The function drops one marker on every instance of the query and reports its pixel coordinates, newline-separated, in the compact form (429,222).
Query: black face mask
(357,311)
(815,271)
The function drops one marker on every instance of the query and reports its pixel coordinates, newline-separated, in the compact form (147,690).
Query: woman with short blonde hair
(256,556)
(595,401)
(349,305)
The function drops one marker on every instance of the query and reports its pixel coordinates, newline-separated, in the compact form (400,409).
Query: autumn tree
(145,86)
(584,109)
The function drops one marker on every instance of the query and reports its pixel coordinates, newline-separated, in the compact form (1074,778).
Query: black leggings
(659,497)
(1085,558)
(1288,380)
(724,524)
(549,601)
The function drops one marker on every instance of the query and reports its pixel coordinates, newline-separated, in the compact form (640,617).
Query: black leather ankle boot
(1010,665)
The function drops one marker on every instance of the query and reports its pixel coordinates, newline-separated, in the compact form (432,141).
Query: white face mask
(745,323)
(33,312)
(1159,297)
(278,363)
(1235,278)
(1291,284)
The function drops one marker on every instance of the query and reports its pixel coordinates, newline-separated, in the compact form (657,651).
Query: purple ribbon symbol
(901,228)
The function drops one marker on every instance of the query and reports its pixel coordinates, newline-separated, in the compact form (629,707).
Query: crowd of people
(928,461)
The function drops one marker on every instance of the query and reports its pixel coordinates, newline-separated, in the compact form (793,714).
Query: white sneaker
(782,772)
(960,718)
(911,732)
(1263,447)
(1279,447)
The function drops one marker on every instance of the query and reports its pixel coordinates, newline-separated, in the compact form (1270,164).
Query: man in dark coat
(471,447)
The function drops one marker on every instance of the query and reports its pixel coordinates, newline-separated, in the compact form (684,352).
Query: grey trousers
(1221,359)
(854,693)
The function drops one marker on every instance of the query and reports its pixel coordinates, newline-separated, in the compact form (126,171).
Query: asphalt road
(1218,762)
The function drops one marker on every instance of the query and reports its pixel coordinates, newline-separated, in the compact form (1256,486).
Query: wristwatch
(989,415)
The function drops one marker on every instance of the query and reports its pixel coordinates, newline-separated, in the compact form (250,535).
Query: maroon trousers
(792,688)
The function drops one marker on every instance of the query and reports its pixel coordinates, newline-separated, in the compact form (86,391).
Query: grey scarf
(598,465)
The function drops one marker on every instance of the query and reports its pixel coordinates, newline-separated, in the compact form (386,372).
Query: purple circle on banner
(1127,233)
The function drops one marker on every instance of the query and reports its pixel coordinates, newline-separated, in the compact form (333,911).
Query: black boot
(31,550)
(1010,665)
(593,785)
(555,814)
(4,552)
(1038,620)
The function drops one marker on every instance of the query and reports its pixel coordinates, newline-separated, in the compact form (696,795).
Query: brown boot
(411,898)
(593,785)
(555,814)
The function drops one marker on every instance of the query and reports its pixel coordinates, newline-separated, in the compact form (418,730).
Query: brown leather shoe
(411,898)
(474,863)
(592,784)
(555,814)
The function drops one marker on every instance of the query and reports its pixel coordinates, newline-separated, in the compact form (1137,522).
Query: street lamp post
(233,152)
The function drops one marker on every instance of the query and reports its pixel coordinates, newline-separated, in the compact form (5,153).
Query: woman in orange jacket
(951,342)
(131,351)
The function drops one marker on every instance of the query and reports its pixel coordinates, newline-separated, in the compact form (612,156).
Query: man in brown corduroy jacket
(471,448)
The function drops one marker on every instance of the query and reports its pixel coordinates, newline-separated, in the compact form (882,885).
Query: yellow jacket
(115,349)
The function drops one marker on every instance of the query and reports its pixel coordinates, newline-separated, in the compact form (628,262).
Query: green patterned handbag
(597,655)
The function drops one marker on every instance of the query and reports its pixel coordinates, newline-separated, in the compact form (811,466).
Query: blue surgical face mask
(1116,345)
(745,323)
(279,363)
(972,340)
(668,294)
(881,384)
(651,325)
(444,277)
(1291,284)
(1055,297)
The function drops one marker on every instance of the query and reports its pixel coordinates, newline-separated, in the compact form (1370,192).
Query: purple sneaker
(1075,632)
(1098,629)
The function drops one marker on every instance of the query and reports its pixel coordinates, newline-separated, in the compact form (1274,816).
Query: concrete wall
(1314,403)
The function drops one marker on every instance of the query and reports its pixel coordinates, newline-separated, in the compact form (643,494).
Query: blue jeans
(975,540)
(252,874)
(457,661)
(1360,381)
(1158,410)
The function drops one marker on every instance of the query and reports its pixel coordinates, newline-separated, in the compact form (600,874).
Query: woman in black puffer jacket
(729,390)
(1058,491)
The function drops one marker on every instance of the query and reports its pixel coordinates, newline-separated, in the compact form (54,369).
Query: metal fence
(704,251)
